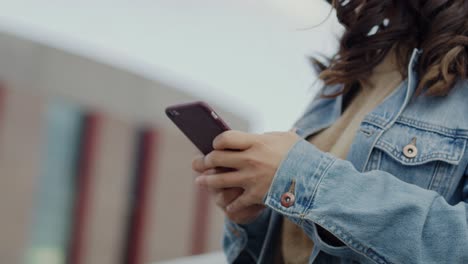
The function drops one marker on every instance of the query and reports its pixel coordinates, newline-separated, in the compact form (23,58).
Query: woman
(377,169)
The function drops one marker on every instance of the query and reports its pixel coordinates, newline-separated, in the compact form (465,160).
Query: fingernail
(230,208)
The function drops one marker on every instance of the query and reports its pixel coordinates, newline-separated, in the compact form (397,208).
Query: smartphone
(199,123)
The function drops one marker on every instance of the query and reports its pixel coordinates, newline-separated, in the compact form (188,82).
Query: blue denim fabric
(384,206)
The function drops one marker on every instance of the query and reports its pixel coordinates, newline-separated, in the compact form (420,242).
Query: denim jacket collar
(386,113)
(383,116)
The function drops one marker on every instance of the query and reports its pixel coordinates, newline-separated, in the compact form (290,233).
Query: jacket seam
(375,120)
(314,194)
(373,255)
(424,159)
(445,131)
(348,240)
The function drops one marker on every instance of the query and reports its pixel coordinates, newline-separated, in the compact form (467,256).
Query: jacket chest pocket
(418,156)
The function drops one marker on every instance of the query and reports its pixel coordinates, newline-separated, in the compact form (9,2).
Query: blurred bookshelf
(91,171)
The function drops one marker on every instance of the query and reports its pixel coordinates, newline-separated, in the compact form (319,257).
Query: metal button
(410,151)
(288,199)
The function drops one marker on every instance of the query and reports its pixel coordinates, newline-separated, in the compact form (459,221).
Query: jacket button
(410,151)
(288,199)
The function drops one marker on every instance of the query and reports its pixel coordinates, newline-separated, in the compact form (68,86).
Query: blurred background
(91,170)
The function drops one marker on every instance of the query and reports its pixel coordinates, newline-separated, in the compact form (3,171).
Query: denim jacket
(385,203)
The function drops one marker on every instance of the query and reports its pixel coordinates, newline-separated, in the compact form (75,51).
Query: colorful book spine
(20,138)
(110,182)
(50,231)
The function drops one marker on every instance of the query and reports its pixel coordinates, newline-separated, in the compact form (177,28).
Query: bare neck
(385,74)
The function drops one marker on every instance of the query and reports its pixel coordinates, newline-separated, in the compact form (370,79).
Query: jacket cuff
(299,174)
(305,165)
(246,238)
(234,240)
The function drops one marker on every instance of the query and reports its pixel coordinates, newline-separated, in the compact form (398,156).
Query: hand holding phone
(201,124)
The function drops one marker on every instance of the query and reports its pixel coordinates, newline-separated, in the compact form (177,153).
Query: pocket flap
(431,146)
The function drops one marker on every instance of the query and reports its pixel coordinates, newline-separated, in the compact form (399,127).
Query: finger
(226,196)
(214,191)
(198,165)
(235,140)
(240,203)
(223,180)
(210,172)
(247,215)
(217,170)
(223,158)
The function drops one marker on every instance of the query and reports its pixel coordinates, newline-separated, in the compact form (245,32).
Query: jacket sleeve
(377,216)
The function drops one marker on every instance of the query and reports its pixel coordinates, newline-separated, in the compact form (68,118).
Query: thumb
(240,203)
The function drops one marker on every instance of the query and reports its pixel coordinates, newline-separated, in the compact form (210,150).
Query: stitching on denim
(398,155)
(376,129)
(451,132)
(433,183)
(379,158)
(346,237)
(375,120)
(366,132)
(374,161)
(270,191)
(445,179)
(371,163)
(324,163)
(372,146)
(276,205)
(380,122)
(329,162)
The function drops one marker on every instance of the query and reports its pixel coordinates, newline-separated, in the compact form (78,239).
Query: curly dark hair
(373,28)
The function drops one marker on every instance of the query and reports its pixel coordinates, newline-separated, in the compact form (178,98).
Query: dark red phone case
(199,122)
